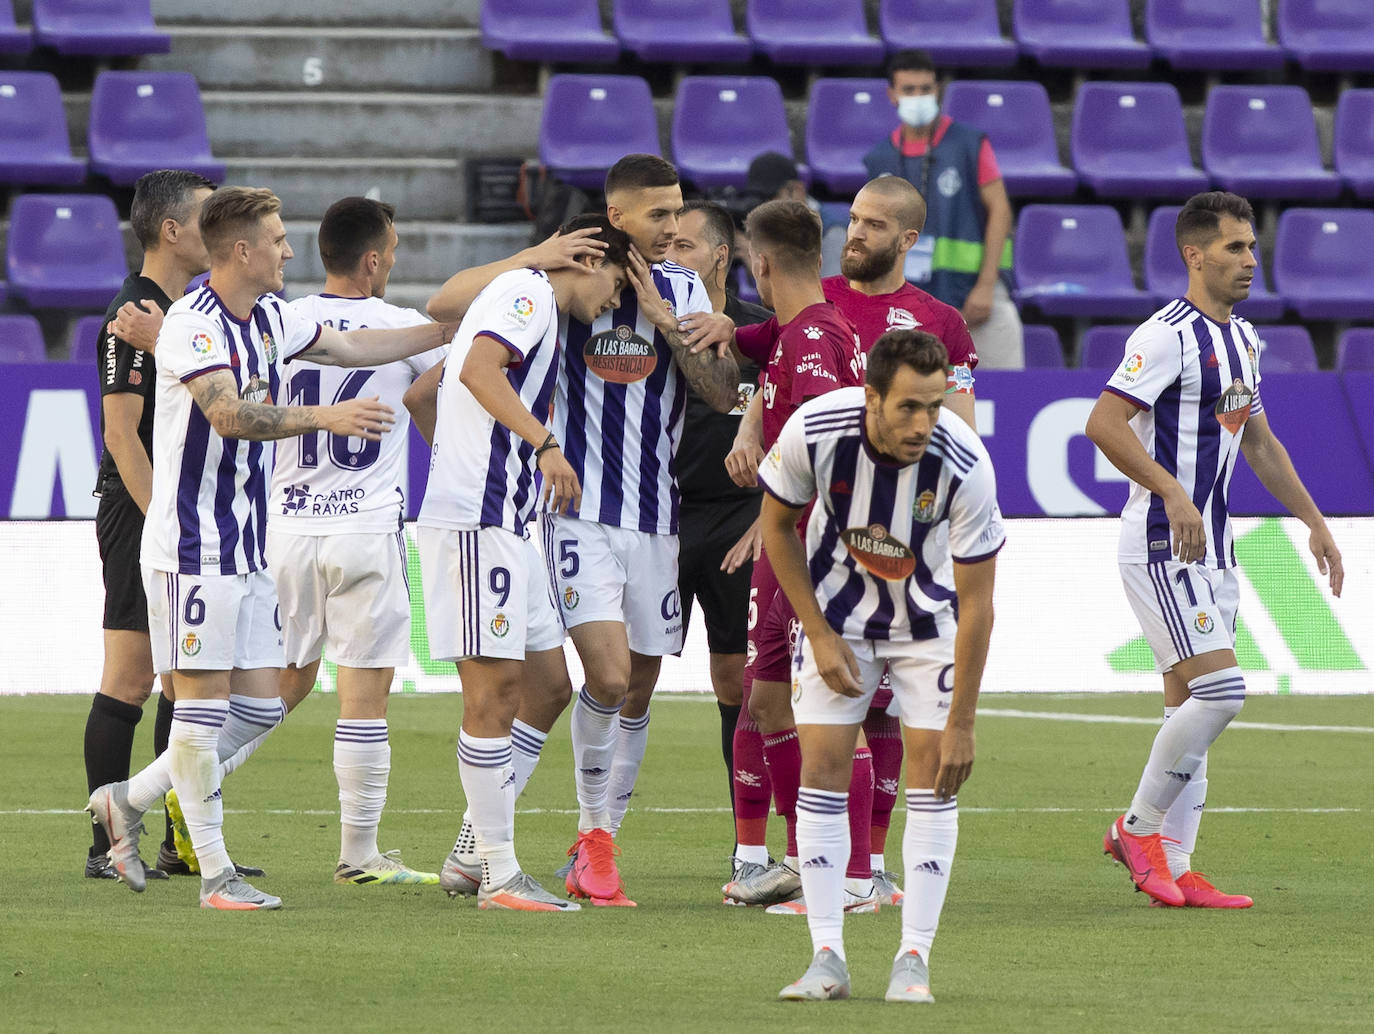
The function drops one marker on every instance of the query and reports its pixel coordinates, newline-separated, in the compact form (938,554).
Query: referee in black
(716,513)
(165,218)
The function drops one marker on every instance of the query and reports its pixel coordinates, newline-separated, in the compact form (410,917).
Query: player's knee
(1221,691)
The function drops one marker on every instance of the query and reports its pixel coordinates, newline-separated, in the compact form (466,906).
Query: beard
(871,265)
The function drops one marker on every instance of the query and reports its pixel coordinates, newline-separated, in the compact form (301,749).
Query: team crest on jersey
(500,626)
(620,355)
(269,347)
(1203,622)
(1233,408)
(520,311)
(878,553)
(923,509)
(190,644)
(256,390)
(901,319)
(203,345)
(570,598)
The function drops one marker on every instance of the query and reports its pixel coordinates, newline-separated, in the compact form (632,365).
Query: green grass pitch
(1041,932)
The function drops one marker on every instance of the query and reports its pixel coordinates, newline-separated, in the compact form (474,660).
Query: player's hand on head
(703,330)
(563,250)
(138,323)
(1323,547)
(562,490)
(837,665)
(742,462)
(1186,526)
(367,418)
(748,548)
(956,761)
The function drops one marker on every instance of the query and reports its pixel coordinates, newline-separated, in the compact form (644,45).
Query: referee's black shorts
(119,534)
(706,531)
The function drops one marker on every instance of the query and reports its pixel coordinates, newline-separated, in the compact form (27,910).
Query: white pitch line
(325,812)
(1121,719)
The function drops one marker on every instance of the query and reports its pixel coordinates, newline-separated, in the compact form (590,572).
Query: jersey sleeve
(1153,361)
(301,333)
(987,164)
(697,298)
(786,472)
(958,341)
(190,345)
(976,531)
(756,340)
(124,369)
(516,311)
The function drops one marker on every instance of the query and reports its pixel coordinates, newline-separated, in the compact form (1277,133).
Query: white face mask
(918,111)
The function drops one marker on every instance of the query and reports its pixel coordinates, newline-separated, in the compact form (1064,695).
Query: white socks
(362,763)
(1184,817)
(823,846)
(527,743)
(1181,745)
(194,770)
(629,757)
(484,765)
(932,832)
(594,732)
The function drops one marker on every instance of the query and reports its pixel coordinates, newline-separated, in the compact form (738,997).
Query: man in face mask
(963,257)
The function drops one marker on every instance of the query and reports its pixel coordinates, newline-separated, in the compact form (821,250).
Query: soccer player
(335,538)
(212,607)
(487,597)
(165,213)
(717,513)
(904,527)
(813,350)
(618,407)
(1182,405)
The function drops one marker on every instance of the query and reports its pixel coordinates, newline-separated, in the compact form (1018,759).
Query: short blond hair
(232,214)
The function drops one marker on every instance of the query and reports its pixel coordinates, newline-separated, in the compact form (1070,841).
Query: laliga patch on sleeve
(203,345)
(1131,367)
(521,311)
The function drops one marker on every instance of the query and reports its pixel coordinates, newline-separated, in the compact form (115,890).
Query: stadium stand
(844,118)
(13,40)
(680,31)
(1353,144)
(953,32)
(1129,141)
(34,146)
(1079,33)
(1286,349)
(1043,349)
(21,339)
(1213,35)
(721,123)
(1104,347)
(1018,120)
(591,121)
(1323,262)
(1071,260)
(1261,141)
(548,30)
(102,28)
(1355,350)
(64,251)
(84,344)
(141,121)
(813,32)
(1166,278)
(1328,35)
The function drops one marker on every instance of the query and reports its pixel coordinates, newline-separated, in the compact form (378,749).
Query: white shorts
(486,595)
(922,683)
(1183,609)
(212,622)
(349,588)
(604,573)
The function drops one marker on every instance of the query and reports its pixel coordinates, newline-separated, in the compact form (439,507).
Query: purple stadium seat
(1328,35)
(13,40)
(1103,348)
(34,147)
(680,31)
(104,28)
(1355,350)
(1166,278)
(953,32)
(1215,35)
(1261,142)
(141,121)
(65,251)
(844,118)
(1043,350)
(1016,117)
(1079,33)
(1129,140)
(813,32)
(1354,141)
(1323,262)
(1070,260)
(721,123)
(548,30)
(1286,349)
(591,121)
(84,343)
(21,340)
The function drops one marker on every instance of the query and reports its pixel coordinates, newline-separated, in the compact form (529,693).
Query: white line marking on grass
(313,812)
(1121,719)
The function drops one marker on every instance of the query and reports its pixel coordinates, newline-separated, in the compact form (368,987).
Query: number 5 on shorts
(568,557)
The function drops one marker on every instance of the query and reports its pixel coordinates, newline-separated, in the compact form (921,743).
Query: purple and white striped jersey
(208,513)
(882,539)
(1196,382)
(481,475)
(618,410)
(324,483)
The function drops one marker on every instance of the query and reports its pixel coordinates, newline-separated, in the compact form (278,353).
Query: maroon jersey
(816,352)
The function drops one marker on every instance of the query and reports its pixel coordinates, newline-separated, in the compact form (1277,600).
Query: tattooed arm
(232,417)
